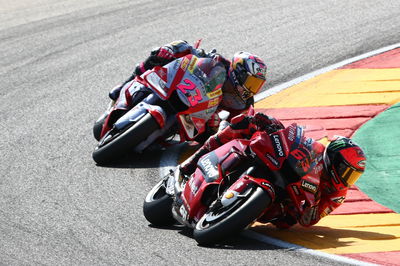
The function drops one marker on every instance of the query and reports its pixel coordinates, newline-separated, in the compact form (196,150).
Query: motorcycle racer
(337,167)
(245,76)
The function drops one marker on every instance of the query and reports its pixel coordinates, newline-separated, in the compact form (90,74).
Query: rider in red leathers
(337,167)
(245,76)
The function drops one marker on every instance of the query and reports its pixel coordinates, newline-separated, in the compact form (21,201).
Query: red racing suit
(330,193)
(231,101)
(241,127)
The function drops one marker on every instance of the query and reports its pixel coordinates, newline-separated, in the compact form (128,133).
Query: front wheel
(117,143)
(220,222)
(157,206)
(98,126)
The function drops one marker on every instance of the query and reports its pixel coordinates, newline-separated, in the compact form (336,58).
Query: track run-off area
(361,100)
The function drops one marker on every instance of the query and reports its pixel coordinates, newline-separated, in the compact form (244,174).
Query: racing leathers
(329,195)
(241,127)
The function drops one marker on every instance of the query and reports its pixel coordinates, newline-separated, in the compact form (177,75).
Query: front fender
(241,189)
(136,113)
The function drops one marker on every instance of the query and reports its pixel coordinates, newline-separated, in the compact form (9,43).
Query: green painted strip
(380,139)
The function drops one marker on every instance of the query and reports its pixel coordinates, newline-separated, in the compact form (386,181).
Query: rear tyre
(221,222)
(116,144)
(157,206)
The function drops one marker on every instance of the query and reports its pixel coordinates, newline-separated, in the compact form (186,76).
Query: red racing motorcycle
(234,185)
(178,98)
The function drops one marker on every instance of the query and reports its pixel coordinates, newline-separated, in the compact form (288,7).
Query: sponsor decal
(184,63)
(278,146)
(176,65)
(185,203)
(296,190)
(362,163)
(314,213)
(183,212)
(208,167)
(271,188)
(161,73)
(214,94)
(333,174)
(233,76)
(229,195)
(210,110)
(299,134)
(156,82)
(239,185)
(192,64)
(308,186)
(272,159)
(213,102)
(291,133)
(318,169)
(162,84)
(325,212)
(193,187)
(339,200)
(337,145)
(198,122)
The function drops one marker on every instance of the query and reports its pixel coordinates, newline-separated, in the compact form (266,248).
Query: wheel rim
(157,192)
(110,136)
(217,213)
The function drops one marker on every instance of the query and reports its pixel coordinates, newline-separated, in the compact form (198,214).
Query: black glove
(266,123)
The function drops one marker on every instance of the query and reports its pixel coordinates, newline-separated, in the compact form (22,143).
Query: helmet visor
(253,84)
(347,174)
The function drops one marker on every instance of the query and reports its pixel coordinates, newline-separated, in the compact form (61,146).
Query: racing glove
(284,222)
(266,123)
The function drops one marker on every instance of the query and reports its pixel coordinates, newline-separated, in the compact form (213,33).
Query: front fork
(176,188)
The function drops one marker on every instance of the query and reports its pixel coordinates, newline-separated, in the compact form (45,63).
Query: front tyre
(220,222)
(98,126)
(118,143)
(157,206)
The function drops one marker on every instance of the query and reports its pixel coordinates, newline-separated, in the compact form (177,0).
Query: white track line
(294,247)
(170,158)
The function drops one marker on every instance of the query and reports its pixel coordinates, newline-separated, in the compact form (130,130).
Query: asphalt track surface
(58,61)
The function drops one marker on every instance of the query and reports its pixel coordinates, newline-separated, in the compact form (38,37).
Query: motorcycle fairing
(198,82)
(274,149)
(136,113)
(121,105)
(303,192)
(209,173)
(208,164)
(243,185)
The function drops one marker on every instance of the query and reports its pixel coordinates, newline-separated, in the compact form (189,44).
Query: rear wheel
(220,222)
(118,143)
(157,207)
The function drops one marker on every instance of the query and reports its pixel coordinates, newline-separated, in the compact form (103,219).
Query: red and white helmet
(344,160)
(248,73)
